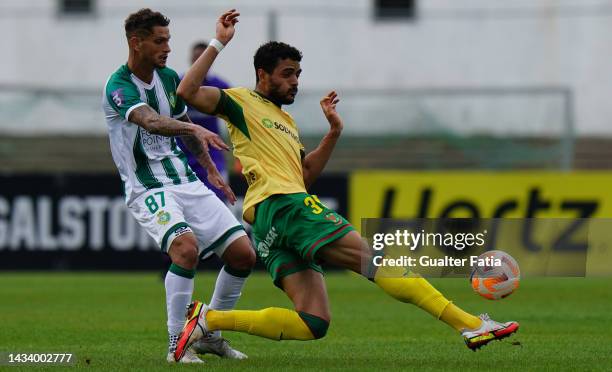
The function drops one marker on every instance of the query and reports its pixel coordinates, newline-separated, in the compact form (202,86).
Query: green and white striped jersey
(145,161)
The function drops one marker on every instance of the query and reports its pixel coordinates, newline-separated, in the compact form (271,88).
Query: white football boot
(189,357)
(216,345)
(488,331)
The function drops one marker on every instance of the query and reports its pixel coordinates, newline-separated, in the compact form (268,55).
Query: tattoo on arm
(195,147)
(154,123)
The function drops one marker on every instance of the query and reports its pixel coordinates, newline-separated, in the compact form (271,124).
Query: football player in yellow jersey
(294,232)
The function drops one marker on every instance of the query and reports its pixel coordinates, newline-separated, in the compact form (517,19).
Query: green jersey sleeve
(122,94)
(230,110)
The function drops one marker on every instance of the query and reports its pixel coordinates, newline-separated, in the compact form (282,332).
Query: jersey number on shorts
(151,203)
(313,202)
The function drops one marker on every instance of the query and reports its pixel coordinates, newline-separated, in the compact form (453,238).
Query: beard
(158,62)
(281,98)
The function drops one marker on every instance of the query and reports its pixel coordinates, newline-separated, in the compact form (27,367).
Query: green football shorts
(290,229)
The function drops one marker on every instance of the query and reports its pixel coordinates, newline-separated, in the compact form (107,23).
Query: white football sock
(228,289)
(179,290)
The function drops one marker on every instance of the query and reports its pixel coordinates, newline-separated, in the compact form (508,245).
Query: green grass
(117,322)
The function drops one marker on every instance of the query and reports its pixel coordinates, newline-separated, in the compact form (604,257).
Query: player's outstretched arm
(205,99)
(203,157)
(145,117)
(314,163)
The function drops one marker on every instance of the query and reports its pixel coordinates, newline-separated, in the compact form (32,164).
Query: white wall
(467,43)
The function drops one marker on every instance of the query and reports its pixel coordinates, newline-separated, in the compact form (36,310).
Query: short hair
(269,54)
(199,45)
(142,22)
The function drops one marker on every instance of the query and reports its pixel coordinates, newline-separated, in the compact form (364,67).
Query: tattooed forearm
(154,123)
(195,147)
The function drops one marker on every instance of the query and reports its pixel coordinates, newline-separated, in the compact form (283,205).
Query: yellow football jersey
(266,142)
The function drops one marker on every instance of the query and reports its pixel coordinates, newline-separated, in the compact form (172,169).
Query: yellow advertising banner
(396,194)
(551,217)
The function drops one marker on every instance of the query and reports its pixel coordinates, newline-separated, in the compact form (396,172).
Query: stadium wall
(449,44)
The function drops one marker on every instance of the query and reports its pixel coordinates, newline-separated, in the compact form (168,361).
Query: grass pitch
(113,321)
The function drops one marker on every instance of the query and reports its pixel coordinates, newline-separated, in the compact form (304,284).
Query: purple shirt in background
(212,124)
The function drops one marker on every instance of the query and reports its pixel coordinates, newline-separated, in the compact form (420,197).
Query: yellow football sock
(274,323)
(412,288)
(459,319)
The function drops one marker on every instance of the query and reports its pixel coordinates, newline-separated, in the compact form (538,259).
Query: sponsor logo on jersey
(251,177)
(117,96)
(155,144)
(181,230)
(280,126)
(267,123)
(333,217)
(172,99)
(263,248)
(163,217)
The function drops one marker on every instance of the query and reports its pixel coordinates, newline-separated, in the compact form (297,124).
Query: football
(495,275)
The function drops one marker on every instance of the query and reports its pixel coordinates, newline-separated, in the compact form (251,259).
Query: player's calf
(273,323)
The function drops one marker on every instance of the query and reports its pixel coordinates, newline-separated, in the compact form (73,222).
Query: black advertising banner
(80,222)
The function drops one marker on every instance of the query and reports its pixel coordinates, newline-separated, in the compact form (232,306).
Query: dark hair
(268,55)
(199,45)
(142,22)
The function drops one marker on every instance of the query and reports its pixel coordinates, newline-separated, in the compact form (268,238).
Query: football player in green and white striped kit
(186,219)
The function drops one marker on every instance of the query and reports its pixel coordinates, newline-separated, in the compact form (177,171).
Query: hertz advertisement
(392,194)
(561,219)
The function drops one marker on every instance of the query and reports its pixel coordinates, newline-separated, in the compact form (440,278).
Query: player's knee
(240,256)
(184,252)
(318,326)
(247,259)
(244,261)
